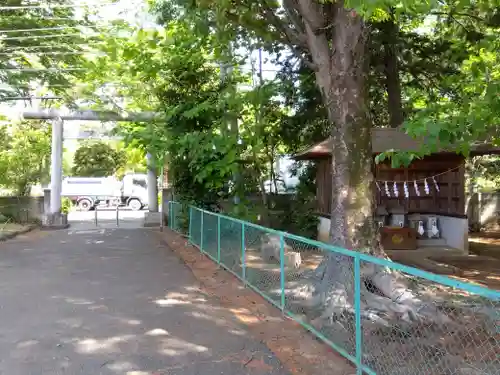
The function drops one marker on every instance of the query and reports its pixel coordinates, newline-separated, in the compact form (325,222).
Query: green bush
(297,213)
(66,205)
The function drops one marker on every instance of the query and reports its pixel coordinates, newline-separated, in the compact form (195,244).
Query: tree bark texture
(341,77)
(336,40)
(339,57)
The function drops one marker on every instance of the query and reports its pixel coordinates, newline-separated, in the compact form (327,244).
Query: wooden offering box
(396,238)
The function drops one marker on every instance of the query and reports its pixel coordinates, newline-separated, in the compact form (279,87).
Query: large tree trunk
(341,77)
(340,58)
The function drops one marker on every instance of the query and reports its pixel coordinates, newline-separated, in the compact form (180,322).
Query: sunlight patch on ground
(27,344)
(122,366)
(88,231)
(133,322)
(90,346)
(171,302)
(99,307)
(93,242)
(157,332)
(174,298)
(79,301)
(200,315)
(237,332)
(178,295)
(244,316)
(477,240)
(173,346)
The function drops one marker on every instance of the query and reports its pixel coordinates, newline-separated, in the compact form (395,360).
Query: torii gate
(58,117)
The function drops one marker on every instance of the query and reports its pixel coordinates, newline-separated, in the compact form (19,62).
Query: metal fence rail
(436,325)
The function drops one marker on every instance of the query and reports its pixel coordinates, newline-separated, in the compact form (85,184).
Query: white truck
(89,192)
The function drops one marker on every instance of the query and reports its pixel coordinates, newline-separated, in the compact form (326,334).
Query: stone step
(423,242)
(152,219)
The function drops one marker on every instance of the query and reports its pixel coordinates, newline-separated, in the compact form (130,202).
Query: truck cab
(88,192)
(135,191)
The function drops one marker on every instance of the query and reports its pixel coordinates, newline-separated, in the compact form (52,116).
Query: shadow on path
(111,302)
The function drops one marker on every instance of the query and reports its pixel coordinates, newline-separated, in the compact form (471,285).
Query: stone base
(152,219)
(423,242)
(55,221)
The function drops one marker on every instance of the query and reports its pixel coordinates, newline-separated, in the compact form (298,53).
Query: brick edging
(296,348)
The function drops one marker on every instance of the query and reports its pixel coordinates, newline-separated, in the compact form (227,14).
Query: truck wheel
(135,204)
(84,204)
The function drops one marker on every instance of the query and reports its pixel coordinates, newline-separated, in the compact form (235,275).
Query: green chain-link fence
(434,325)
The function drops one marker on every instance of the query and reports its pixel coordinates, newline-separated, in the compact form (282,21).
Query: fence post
(190,225)
(282,272)
(162,217)
(173,216)
(117,216)
(243,260)
(170,215)
(218,240)
(201,231)
(357,315)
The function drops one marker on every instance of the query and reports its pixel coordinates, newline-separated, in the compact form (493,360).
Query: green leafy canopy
(97,159)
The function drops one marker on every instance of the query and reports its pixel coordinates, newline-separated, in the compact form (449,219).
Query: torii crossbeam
(58,117)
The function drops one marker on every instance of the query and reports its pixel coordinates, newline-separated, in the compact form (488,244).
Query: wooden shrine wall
(324,187)
(450,200)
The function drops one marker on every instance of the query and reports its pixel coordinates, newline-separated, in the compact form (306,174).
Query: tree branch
(291,8)
(451,14)
(295,39)
(291,35)
(312,13)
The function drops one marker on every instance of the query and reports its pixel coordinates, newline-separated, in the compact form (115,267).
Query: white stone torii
(57,117)
(56,166)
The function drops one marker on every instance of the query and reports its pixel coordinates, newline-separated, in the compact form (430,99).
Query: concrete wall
(483,209)
(22,209)
(453,230)
(323,229)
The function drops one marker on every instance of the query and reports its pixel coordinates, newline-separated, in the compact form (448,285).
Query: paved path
(106,218)
(114,302)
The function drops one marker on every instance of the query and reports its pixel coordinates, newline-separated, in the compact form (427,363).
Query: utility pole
(232,124)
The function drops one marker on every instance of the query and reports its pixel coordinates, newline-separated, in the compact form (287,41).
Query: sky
(135,13)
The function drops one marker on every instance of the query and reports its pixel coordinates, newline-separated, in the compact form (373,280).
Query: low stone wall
(22,209)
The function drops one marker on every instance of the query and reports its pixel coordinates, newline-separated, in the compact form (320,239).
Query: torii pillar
(152,218)
(152,183)
(56,166)
(53,219)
